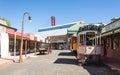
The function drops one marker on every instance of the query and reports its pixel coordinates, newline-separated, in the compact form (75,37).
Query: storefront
(110,47)
(58,42)
(30,42)
(56,36)
(4,39)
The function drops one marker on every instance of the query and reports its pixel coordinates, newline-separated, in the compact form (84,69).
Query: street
(60,62)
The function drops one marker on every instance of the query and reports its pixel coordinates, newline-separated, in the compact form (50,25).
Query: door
(105,47)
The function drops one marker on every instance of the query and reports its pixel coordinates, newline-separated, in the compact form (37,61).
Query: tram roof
(84,32)
(74,29)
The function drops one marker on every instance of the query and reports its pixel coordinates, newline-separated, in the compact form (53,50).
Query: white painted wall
(4,45)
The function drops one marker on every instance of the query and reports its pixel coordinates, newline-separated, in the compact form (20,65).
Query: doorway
(105,47)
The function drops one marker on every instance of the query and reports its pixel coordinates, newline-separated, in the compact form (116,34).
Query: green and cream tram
(88,43)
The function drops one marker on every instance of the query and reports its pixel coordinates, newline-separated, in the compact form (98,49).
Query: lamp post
(21,44)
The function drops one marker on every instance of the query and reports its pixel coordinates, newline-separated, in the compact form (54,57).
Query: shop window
(107,43)
(11,45)
(113,44)
(118,39)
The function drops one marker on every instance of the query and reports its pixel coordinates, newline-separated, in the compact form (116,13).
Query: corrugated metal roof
(54,30)
(73,29)
(111,26)
(56,27)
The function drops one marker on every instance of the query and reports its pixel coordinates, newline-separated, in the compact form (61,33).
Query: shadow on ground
(66,61)
(67,54)
(99,69)
(42,54)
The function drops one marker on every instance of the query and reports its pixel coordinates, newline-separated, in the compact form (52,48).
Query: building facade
(57,35)
(110,47)
(4,39)
(10,41)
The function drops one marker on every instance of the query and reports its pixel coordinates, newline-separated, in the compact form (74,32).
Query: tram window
(98,41)
(81,39)
(74,40)
(89,36)
(94,42)
(88,42)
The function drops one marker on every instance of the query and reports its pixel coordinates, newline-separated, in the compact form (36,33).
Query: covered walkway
(31,43)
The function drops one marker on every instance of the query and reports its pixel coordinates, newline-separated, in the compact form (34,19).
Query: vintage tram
(88,43)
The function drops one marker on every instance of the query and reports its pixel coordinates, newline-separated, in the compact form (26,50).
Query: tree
(7,21)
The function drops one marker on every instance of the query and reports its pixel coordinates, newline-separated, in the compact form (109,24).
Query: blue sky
(65,11)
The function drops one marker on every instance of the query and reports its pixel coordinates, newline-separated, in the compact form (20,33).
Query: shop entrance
(105,47)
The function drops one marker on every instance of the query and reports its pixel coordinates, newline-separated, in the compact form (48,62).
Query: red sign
(53,20)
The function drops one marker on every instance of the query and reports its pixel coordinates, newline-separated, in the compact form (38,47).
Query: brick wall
(111,53)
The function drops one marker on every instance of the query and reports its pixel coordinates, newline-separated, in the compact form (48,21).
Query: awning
(111,32)
(31,37)
(11,34)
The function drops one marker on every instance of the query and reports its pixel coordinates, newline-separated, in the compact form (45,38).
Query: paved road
(60,62)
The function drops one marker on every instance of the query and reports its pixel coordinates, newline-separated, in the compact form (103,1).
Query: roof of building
(54,30)
(114,25)
(112,22)
(56,27)
(8,27)
(4,24)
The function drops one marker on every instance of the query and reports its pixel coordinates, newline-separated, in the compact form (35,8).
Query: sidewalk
(112,63)
(12,59)
(5,61)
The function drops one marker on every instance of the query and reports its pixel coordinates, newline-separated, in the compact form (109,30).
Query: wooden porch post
(35,47)
(25,47)
(14,45)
